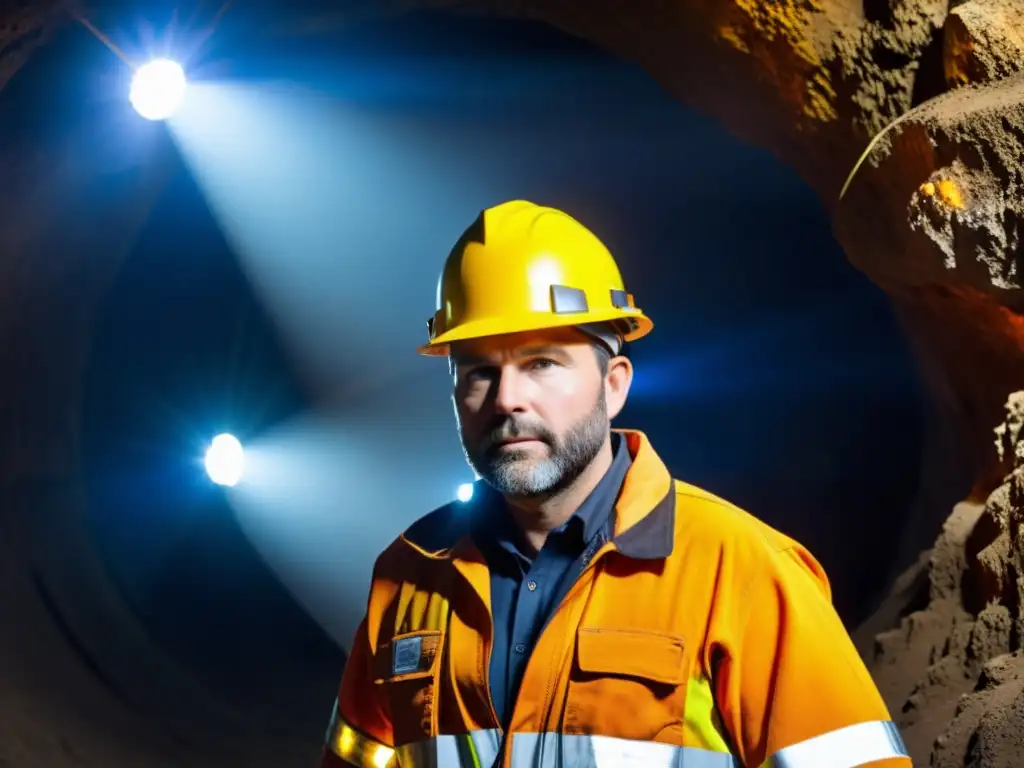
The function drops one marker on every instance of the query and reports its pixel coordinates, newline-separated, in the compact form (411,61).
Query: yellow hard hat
(524,267)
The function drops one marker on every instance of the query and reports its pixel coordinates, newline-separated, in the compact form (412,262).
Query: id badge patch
(406,654)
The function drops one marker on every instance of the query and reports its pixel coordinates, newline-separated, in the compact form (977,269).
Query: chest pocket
(628,683)
(407,671)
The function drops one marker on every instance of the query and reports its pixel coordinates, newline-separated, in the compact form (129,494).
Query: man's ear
(617,383)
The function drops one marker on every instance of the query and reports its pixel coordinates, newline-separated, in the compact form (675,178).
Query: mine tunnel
(264,268)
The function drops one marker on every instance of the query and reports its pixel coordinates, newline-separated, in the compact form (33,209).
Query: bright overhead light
(158,89)
(225,460)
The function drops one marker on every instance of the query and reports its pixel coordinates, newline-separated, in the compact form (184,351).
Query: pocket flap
(408,656)
(655,656)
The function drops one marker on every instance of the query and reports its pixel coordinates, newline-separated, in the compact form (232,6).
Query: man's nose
(509,391)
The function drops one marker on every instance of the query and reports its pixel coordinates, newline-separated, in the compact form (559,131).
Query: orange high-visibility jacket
(697,637)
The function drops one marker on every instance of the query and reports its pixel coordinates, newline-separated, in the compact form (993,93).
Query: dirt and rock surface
(952,671)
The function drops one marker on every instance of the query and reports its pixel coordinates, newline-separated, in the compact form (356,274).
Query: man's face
(532,408)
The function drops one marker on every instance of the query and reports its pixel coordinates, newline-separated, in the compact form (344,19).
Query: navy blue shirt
(526,591)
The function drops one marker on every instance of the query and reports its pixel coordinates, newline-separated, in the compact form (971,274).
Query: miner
(586,609)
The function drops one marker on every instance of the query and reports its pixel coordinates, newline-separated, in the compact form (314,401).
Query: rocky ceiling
(907,118)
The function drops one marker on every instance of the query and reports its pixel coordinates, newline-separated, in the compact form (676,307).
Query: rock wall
(953,671)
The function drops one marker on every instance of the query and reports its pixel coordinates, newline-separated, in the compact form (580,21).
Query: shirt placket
(528,605)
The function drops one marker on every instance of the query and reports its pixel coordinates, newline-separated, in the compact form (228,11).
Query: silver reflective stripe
(555,750)
(477,749)
(844,748)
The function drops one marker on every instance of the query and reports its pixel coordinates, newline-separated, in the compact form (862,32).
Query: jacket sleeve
(360,730)
(791,687)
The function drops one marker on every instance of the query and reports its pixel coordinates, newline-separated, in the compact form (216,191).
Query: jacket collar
(644,513)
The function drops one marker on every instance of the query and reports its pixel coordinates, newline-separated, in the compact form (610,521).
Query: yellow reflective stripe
(555,750)
(476,749)
(844,747)
(355,747)
(702,724)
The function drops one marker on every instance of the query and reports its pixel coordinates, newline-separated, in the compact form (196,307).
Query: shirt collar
(599,506)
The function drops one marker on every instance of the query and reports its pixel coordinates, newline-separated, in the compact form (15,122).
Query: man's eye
(478,374)
(542,363)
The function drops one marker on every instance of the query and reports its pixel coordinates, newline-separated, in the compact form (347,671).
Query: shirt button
(520,648)
(532,585)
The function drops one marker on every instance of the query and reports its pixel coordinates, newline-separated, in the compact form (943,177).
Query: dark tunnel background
(776,376)
(183,352)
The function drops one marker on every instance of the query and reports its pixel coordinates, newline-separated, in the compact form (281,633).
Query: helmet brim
(537,321)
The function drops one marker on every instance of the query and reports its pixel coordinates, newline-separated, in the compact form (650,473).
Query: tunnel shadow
(182,351)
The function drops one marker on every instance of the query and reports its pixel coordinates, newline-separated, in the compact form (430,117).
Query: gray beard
(515,473)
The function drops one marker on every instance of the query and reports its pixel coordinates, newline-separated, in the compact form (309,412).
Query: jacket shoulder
(433,533)
(702,513)
(732,535)
(442,528)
